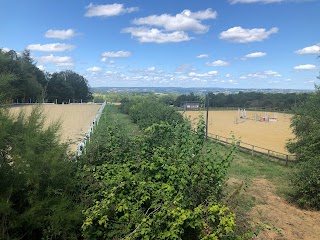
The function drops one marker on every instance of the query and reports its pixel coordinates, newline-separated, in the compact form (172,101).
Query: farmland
(270,135)
(75,119)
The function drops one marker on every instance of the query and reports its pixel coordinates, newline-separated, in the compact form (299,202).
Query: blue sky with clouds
(170,43)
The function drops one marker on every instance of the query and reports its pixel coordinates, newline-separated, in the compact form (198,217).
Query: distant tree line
(22,81)
(247,100)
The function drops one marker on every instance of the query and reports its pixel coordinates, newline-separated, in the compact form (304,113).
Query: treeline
(22,81)
(248,100)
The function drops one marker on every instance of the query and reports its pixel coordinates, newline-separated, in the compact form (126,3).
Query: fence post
(252,150)
(287,159)
(268,153)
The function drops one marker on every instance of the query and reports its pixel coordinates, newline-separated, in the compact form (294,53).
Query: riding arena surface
(269,135)
(75,119)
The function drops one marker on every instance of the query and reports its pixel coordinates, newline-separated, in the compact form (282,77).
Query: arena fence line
(81,148)
(287,158)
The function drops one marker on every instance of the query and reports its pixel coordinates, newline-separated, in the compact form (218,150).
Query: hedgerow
(165,185)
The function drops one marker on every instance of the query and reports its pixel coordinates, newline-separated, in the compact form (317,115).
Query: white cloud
(218,63)
(305,67)
(315,49)
(213,73)
(256,1)
(262,75)
(51,47)
(41,67)
(255,55)
(119,54)
(151,69)
(108,10)
(4,49)
(57,60)
(242,35)
(228,75)
(61,34)
(253,75)
(184,21)
(154,35)
(203,56)
(94,69)
(270,72)
(208,74)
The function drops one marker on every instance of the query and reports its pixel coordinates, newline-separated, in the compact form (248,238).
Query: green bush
(38,197)
(166,185)
(306,145)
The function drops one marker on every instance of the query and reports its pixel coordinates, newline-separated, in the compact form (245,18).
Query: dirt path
(277,218)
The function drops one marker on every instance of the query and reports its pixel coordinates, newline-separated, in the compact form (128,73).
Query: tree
(68,85)
(306,145)
(27,81)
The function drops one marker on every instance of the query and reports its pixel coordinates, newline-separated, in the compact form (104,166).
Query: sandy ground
(75,118)
(278,218)
(271,135)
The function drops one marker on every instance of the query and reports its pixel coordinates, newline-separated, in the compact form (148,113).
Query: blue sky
(170,43)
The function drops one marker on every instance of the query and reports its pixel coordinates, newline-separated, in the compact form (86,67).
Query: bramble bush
(165,185)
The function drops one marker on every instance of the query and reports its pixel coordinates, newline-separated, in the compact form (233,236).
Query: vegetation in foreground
(164,184)
(306,145)
(158,179)
(39,197)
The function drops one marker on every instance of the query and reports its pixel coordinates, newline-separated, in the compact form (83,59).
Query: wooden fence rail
(287,158)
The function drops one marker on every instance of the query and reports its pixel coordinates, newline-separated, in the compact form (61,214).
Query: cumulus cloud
(203,56)
(208,74)
(255,55)
(119,54)
(41,67)
(315,49)
(242,35)
(64,61)
(108,10)
(4,49)
(145,35)
(94,69)
(305,67)
(184,21)
(218,63)
(60,34)
(51,47)
(151,69)
(262,75)
(256,1)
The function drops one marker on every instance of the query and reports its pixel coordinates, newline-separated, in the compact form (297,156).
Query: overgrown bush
(166,185)
(38,197)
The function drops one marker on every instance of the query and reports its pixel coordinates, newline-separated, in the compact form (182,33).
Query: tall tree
(67,85)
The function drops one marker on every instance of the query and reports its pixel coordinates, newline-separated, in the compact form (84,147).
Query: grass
(121,121)
(242,171)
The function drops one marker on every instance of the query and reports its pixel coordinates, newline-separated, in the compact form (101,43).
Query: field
(270,135)
(75,119)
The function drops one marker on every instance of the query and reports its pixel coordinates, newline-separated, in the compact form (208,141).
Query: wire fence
(81,148)
(287,158)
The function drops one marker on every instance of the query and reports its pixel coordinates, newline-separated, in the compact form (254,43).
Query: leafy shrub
(306,145)
(167,185)
(38,185)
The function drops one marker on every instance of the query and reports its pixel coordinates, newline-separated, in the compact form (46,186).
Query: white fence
(82,145)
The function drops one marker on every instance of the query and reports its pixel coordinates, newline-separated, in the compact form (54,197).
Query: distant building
(191,106)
